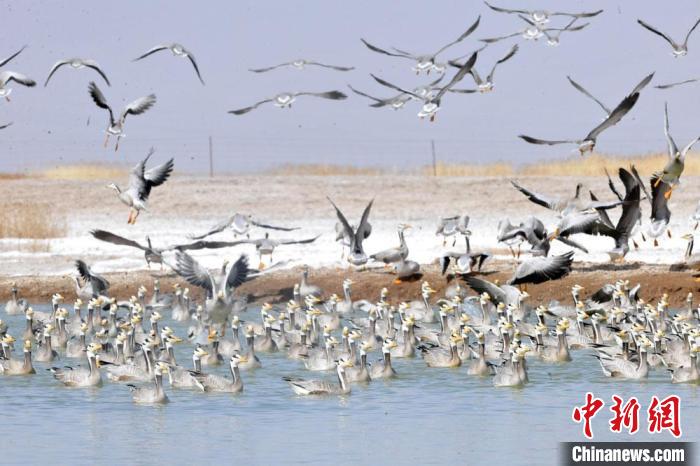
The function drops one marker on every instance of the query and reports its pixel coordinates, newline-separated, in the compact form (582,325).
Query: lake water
(426,416)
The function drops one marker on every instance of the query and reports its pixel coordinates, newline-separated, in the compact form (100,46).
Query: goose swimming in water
(178,51)
(382,369)
(116,127)
(154,394)
(322,387)
(82,377)
(217,383)
(17,367)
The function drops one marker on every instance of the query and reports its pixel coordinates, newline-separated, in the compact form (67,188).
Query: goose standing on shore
(178,51)
(141,181)
(116,127)
(397,254)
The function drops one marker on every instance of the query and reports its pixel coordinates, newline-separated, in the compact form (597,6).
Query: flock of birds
(494,332)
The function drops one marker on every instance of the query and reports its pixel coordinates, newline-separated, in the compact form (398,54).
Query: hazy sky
(227,37)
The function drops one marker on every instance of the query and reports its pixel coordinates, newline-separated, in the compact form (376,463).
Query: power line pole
(432,147)
(211,159)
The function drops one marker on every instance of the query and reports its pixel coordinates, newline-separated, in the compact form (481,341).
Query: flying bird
(676,158)
(638,88)
(353,237)
(300,64)
(141,181)
(241,224)
(541,17)
(76,64)
(6,77)
(5,125)
(679,50)
(93,285)
(535,31)
(424,62)
(285,99)
(116,127)
(431,103)
(680,83)
(266,246)
(587,144)
(401,99)
(487,84)
(177,50)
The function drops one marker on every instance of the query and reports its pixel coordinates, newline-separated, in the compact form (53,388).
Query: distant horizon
(531,96)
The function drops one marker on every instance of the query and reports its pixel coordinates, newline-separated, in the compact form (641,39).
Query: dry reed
(32,225)
(84,172)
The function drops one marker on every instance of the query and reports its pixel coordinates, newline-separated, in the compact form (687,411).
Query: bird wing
(5,125)
(377,100)
(11,57)
(463,71)
(241,111)
(155,49)
(635,173)
(344,221)
(464,35)
(88,275)
(689,146)
(578,222)
(612,185)
(482,286)
(582,90)
(332,95)
(659,203)
(507,57)
(630,216)
(137,177)
(685,42)
(542,269)
(546,142)
(93,65)
(578,15)
(364,228)
(194,65)
(333,67)
(192,271)
(394,87)
(572,243)
(492,40)
(56,66)
(269,68)
(207,245)
(109,237)
(670,85)
(506,10)
(157,175)
(298,241)
(216,229)
(99,99)
(672,147)
(537,198)
(617,114)
(657,32)
(643,83)
(238,273)
(374,48)
(138,106)
(7,76)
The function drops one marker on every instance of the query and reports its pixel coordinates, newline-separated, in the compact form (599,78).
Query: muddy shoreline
(277,286)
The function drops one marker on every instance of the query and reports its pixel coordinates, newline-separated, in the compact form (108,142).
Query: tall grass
(84,172)
(589,165)
(31,224)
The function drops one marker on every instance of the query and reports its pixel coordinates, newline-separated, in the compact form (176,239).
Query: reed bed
(84,172)
(32,225)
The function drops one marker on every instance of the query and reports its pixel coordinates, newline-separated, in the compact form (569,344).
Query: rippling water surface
(425,416)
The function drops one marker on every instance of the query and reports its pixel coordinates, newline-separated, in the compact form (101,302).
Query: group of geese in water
(494,332)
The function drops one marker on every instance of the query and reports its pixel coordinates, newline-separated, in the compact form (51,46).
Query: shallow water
(425,416)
